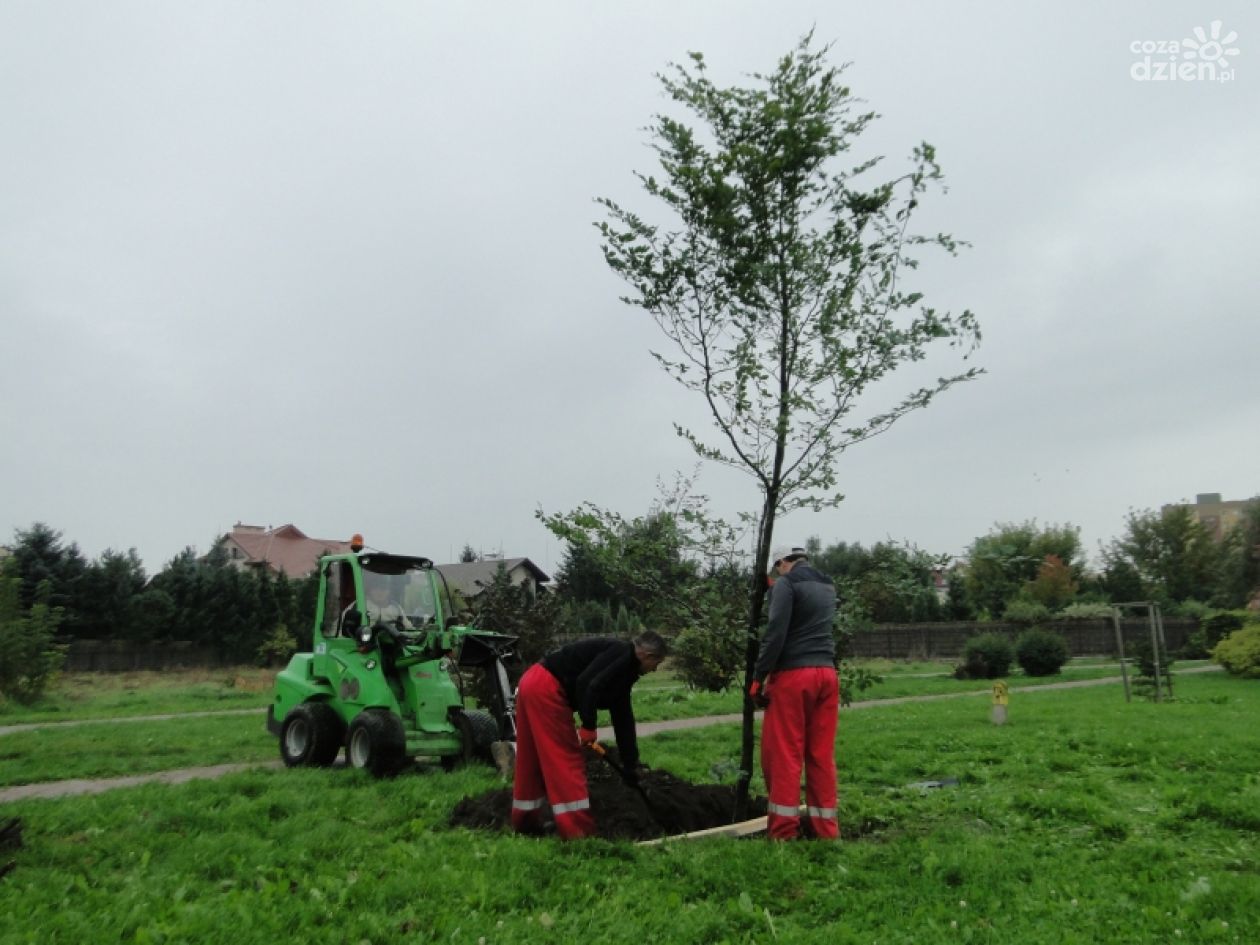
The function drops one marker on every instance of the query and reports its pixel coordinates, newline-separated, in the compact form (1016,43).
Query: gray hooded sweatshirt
(799,633)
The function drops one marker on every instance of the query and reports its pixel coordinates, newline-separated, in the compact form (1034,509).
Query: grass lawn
(115,695)
(107,751)
(1084,820)
(662,696)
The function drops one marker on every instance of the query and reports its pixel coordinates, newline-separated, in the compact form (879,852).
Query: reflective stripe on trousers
(784,811)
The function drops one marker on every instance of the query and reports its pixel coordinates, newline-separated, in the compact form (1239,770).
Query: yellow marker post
(1001,698)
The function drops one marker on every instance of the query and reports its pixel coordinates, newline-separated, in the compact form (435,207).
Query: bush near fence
(946,640)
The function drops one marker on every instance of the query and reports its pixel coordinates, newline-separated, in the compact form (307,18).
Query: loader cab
(371,584)
(338,597)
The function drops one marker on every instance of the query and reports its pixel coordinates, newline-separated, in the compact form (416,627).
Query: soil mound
(673,805)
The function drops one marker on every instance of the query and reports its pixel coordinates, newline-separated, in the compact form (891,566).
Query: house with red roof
(285,549)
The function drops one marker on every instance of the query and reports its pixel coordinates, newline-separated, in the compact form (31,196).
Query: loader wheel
(312,734)
(478,731)
(377,742)
(485,731)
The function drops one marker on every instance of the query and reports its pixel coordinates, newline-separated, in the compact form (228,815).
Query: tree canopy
(778,281)
(1014,559)
(1175,557)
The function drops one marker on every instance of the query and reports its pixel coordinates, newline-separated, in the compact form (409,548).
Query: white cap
(785,551)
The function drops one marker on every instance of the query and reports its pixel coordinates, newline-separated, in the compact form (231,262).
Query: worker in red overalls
(795,681)
(581,677)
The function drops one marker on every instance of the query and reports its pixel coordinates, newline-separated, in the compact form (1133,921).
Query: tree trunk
(756,601)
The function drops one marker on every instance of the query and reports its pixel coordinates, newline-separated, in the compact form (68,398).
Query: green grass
(662,696)
(1084,820)
(898,684)
(116,695)
(107,751)
(101,749)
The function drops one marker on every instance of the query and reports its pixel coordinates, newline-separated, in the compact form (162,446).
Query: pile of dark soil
(10,839)
(673,805)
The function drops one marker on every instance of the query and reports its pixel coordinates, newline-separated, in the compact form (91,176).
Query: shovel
(603,753)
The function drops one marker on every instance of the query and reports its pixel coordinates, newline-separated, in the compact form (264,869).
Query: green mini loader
(384,679)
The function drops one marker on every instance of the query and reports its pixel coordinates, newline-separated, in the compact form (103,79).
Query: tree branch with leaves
(778,281)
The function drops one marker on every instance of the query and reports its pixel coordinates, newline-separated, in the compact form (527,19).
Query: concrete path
(68,723)
(97,786)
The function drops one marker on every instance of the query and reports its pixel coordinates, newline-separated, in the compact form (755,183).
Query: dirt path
(86,786)
(675,725)
(33,726)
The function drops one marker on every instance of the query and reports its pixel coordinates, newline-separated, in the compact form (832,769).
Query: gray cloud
(334,265)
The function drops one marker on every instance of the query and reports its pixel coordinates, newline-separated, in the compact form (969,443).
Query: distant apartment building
(1216,516)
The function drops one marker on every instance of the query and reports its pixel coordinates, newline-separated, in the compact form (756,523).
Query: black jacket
(598,674)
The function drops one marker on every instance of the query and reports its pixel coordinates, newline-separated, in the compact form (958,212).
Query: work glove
(758,695)
(588,737)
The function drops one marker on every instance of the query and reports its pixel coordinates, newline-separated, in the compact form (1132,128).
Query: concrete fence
(883,641)
(946,640)
(103,656)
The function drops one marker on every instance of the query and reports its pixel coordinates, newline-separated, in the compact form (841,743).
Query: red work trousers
(799,729)
(550,767)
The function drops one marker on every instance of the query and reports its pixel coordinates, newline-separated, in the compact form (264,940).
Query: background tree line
(238,614)
(671,569)
(667,571)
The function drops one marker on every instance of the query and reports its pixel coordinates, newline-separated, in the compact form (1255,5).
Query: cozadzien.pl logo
(1206,56)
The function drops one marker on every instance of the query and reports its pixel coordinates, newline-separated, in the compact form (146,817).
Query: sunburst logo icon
(1209,45)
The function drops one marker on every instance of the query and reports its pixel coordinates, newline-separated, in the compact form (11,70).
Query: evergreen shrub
(1041,652)
(1213,628)
(1085,610)
(279,646)
(708,658)
(29,654)
(986,656)
(1239,652)
(1025,611)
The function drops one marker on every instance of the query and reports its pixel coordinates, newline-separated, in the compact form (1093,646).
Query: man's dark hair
(652,642)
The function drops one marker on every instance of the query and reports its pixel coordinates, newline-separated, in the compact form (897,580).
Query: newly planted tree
(778,281)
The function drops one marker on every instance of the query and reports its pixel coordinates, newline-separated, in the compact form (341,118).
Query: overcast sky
(333,264)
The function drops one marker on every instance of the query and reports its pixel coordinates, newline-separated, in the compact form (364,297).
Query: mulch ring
(673,805)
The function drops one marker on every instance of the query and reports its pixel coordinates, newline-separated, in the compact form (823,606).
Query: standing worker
(581,677)
(795,682)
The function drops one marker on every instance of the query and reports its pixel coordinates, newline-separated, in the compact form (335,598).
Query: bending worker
(795,682)
(581,677)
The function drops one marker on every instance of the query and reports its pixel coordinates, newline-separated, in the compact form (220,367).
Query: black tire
(485,731)
(477,731)
(377,743)
(312,735)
